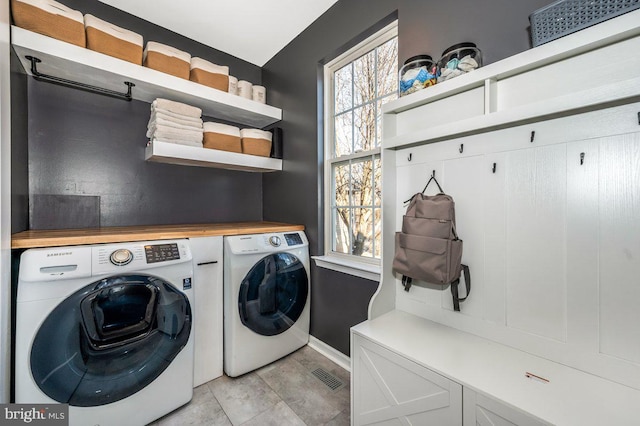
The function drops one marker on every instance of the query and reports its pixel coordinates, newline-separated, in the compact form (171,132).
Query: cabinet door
(480,410)
(207,324)
(388,389)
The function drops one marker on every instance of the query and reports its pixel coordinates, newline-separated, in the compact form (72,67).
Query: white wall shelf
(550,81)
(75,63)
(171,153)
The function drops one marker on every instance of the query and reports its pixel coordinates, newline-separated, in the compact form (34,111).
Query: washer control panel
(132,256)
(161,252)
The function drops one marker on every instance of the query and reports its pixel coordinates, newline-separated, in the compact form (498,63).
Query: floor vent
(328,379)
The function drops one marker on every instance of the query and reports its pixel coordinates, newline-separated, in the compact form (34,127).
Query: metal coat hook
(493,169)
(409,158)
(461,148)
(533,135)
(581,158)
(432,178)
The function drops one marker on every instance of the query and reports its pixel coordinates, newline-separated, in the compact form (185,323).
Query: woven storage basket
(50,18)
(256,142)
(212,75)
(564,17)
(222,137)
(167,59)
(114,41)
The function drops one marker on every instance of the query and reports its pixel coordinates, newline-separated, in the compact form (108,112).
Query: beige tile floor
(279,394)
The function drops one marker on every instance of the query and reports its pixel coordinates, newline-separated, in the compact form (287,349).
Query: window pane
(364,123)
(343,89)
(361,182)
(341,184)
(377,176)
(364,78)
(343,128)
(363,232)
(387,66)
(342,230)
(360,89)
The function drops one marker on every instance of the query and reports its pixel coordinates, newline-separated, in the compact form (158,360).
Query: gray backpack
(428,248)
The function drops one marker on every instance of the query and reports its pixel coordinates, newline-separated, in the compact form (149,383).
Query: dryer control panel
(266,243)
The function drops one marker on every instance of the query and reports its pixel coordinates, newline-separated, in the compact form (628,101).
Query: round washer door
(110,339)
(273,294)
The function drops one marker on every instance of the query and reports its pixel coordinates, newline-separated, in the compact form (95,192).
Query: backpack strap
(454,288)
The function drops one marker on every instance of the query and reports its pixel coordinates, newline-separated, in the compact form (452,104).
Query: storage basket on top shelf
(564,17)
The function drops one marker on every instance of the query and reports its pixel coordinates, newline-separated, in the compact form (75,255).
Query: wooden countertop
(72,237)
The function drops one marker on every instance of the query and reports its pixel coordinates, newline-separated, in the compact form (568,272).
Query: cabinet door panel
(480,410)
(389,389)
(494,241)
(582,244)
(464,179)
(207,285)
(535,202)
(619,266)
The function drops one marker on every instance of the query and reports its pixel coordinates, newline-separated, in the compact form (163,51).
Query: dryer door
(273,294)
(110,339)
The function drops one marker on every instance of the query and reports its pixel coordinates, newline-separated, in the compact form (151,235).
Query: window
(357,84)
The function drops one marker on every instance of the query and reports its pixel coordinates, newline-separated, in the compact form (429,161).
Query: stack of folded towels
(175,122)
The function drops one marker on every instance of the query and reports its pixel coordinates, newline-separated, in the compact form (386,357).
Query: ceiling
(254,31)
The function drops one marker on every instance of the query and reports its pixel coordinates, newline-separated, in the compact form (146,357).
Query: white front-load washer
(266,298)
(106,329)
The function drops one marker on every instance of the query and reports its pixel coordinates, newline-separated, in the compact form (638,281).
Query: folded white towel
(174,118)
(176,107)
(161,132)
(159,121)
(180,142)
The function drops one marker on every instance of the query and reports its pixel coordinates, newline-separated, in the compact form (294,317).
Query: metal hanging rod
(77,85)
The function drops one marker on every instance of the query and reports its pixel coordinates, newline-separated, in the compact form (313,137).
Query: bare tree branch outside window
(360,90)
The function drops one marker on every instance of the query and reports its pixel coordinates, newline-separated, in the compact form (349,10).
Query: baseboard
(333,354)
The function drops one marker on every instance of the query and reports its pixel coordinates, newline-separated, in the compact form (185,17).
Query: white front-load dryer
(106,329)
(266,298)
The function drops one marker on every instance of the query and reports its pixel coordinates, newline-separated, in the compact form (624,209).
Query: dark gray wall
(498,27)
(19,144)
(83,145)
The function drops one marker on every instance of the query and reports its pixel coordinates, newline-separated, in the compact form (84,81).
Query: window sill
(347,266)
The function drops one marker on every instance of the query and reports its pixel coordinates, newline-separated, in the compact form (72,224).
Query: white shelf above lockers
(513,91)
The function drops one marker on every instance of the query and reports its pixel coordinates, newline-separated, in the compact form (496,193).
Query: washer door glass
(110,339)
(273,294)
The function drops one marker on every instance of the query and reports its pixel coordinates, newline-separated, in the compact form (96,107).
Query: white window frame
(364,267)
